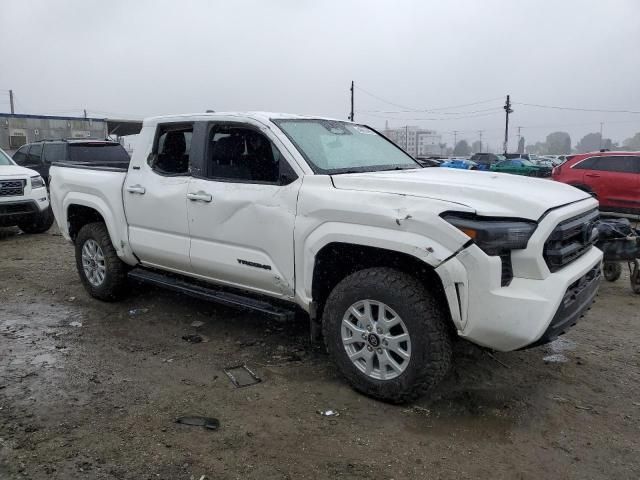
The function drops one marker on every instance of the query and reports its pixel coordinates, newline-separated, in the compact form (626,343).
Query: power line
(432,119)
(554,107)
(434,111)
(406,109)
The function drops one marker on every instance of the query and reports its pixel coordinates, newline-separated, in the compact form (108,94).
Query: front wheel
(101,271)
(40,222)
(612,271)
(387,334)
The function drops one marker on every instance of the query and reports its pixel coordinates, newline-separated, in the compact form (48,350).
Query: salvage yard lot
(92,390)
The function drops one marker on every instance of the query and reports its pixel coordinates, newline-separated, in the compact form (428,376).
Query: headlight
(493,235)
(37,182)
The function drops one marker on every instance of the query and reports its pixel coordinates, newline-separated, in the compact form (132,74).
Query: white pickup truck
(281,212)
(24,201)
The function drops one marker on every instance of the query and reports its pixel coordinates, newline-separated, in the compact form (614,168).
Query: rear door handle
(593,175)
(199,196)
(136,189)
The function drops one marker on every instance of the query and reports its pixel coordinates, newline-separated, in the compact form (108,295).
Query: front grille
(570,240)
(11,188)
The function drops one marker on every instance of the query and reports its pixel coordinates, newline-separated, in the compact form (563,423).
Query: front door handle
(136,189)
(199,196)
(592,175)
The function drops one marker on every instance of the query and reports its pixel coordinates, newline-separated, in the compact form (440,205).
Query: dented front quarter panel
(378,219)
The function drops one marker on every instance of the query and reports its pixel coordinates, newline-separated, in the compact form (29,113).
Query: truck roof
(263,117)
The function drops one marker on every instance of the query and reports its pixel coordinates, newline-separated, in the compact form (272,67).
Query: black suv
(40,155)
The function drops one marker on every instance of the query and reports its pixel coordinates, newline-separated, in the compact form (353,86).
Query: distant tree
(462,148)
(539,148)
(633,143)
(592,142)
(442,146)
(558,143)
(476,146)
(521,145)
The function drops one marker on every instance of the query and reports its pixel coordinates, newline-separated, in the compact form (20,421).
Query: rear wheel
(612,271)
(635,277)
(101,271)
(40,223)
(387,334)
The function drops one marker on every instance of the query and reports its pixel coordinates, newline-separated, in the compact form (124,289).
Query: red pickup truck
(612,177)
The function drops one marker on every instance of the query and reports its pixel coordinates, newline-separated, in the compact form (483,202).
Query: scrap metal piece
(209,423)
(241,376)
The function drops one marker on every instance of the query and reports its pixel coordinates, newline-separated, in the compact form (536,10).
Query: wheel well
(78,216)
(336,261)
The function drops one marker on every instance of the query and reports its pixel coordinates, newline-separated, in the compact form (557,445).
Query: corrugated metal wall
(14,128)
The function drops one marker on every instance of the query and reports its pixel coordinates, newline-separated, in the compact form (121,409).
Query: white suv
(23,198)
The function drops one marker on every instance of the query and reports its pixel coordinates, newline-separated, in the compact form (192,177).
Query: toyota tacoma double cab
(391,261)
(24,201)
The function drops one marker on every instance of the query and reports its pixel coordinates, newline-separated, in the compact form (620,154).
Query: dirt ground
(92,390)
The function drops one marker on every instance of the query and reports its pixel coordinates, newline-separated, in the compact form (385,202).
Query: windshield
(97,153)
(331,146)
(5,159)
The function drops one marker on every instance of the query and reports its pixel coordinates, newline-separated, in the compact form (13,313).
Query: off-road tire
(611,271)
(39,224)
(113,286)
(423,316)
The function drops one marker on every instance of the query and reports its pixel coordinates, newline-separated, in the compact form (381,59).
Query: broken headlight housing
(493,235)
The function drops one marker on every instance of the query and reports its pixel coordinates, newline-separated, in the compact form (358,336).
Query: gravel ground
(92,390)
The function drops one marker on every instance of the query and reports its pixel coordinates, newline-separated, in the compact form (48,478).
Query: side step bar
(210,293)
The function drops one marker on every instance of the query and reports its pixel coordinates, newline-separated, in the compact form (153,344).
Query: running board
(210,293)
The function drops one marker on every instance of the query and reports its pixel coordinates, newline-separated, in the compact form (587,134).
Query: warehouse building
(18,129)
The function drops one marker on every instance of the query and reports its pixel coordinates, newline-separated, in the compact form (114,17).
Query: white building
(415,141)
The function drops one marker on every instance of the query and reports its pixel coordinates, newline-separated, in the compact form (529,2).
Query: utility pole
(601,124)
(11,101)
(351,116)
(85,113)
(455,138)
(507,110)
(480,133)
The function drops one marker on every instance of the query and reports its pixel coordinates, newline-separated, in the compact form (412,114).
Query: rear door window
(621,164)
(98,152)
(54,152)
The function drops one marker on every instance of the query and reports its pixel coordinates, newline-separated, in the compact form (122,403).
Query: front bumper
(527,312)
(12,213)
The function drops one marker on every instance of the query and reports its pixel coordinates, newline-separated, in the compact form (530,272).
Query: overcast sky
(141,58)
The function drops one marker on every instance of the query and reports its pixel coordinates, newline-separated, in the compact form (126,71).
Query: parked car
(612,177)
(23,198)
(555,159)
(461,163)
(485,160)
(279,213)
(520,166)
(39,155)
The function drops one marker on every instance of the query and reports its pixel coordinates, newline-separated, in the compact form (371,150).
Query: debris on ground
(555,358)
(328,413)
(137,311)
(209,423)
(197,324)
(75,324)
(71,299)
(241,376)
(193,338)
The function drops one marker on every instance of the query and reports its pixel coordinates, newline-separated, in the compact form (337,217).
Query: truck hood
(16,171)
(486,193)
